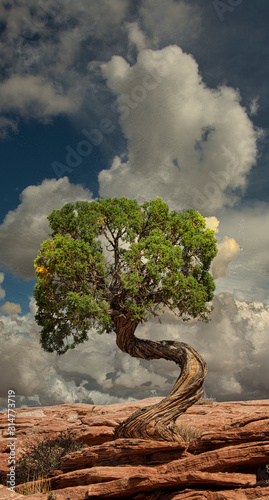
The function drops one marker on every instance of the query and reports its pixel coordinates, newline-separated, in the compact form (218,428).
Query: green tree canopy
(114,256)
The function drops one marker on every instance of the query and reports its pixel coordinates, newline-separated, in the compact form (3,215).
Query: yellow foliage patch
(42,270)
(101,220)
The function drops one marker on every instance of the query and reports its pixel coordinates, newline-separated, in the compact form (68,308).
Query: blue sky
(140,99)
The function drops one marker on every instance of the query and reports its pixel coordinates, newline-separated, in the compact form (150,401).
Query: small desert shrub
(267,472)
(92,412)
(44,456)
(205,400)
(188,433)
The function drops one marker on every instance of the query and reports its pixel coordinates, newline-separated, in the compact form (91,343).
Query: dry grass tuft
(39,485)
(188,433)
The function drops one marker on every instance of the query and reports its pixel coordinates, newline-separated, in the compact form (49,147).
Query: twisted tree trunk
(158,421)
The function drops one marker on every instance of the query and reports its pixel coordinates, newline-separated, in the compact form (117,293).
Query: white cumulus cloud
(43,48)
(30,95)
(136,36)
(249,271)
(10,308)
(24,228)
(212,223)
(2,291)
(228,249)
(234,344)
(187,143)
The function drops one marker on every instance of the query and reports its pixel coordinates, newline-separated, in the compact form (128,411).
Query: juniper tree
(112,264)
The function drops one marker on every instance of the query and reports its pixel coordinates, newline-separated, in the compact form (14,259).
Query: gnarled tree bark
(158,421)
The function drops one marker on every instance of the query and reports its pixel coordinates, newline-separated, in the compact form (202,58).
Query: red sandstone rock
(211,467)
(6,494)
(124,451)
(233,445)
(124,481)
(96,435)
(237,494)
(253,431)
(128,486)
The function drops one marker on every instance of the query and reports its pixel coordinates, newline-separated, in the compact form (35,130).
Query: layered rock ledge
(226,461)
